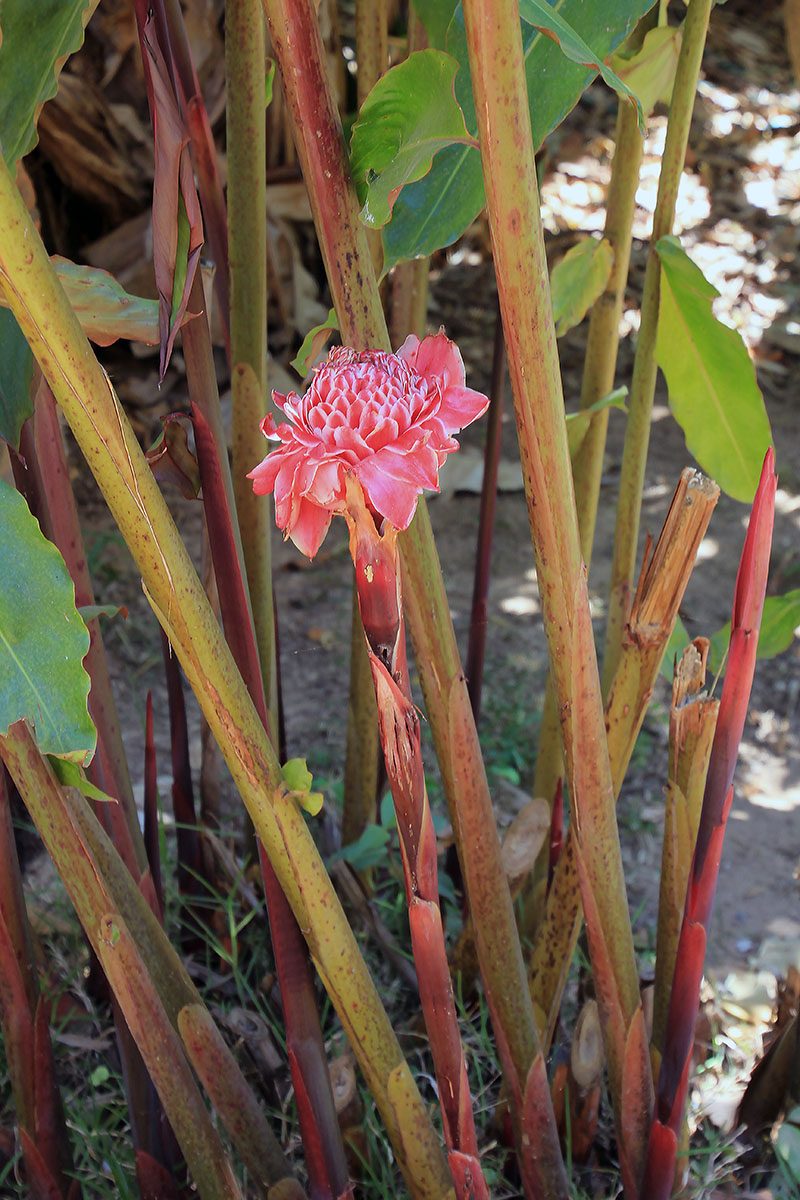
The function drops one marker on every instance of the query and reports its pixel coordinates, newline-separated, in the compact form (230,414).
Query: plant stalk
(501,100)
(637,432)
(320,144)
(661,586)
(598,380)
(245,66)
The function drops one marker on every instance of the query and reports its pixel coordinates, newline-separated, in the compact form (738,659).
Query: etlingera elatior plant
(366,439)
(370,433)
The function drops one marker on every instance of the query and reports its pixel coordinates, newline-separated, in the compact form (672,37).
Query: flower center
(365,400)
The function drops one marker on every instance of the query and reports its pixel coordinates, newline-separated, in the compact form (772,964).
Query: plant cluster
(448,130)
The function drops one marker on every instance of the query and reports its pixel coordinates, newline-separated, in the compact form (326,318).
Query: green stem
(637,433)
(501,101)
(176,594)
(320,145)
(245,65)
(598,380)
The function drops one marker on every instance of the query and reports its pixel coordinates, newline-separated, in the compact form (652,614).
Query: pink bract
(387,418)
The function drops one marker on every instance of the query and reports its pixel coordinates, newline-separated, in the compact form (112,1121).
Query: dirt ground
(739,216)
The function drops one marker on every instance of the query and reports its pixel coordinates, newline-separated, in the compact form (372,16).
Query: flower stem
(501,101)
(377,573)
(321,150)
(637,432)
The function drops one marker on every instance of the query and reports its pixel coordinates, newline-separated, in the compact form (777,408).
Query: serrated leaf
(712,385)
(16,373)
(43,640)
(437,209)
(409,115)
(313,343)
(36,44)
(578,279)
(578,422)
(650,72)
(546,17)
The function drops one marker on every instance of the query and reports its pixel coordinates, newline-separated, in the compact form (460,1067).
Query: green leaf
(71,775)
(43,640)
(678,641)
(436,210)
(313,343)
(269,82)
(298,780)
(578,279)
(182,249)
(545,17)
(578,422)
(410,114)
(712,385)
(780,619)
(368,851)
(103,307)
(37,41)
(778,624)
(435,16)
(787,1149)
(650,72)
(90,611)
(16,373)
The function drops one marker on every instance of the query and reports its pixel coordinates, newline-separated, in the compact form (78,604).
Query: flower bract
(386,418)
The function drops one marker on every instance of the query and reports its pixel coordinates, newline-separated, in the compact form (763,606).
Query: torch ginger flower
(386,418)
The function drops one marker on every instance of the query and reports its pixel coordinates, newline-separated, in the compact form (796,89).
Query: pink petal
(309,527)
(435,357)
(420,468)
(264,475)
(461,406)
(387,495)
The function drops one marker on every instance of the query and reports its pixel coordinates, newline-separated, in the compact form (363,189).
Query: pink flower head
(387,418)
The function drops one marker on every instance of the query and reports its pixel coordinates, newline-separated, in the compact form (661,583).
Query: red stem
(476,650)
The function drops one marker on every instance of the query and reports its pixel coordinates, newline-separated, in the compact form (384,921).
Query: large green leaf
(436,210)
(16,372)
(578,279)
(548,20)
(712,385)
(409,115)
(38,38)
(43,639)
